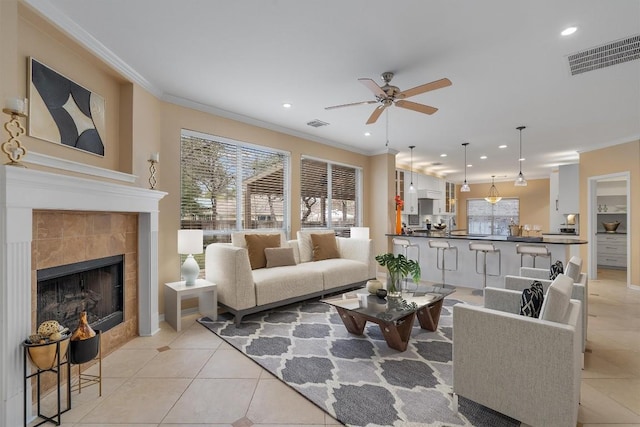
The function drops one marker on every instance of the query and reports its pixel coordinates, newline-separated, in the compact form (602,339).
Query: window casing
(330,195)
(486,218)
(228,186)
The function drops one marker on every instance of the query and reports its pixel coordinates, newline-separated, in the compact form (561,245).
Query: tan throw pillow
(277,257)
(256,244)
(324,246)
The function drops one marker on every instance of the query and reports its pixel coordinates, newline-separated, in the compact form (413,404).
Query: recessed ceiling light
(521,159)
(483,157)
(502,146)
(286,105)
(367,134)
(443,155)
(469,165)
(568,31)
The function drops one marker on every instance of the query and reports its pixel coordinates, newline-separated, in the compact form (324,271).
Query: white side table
(174,292)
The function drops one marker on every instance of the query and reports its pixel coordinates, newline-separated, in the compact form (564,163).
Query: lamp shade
(360,233)
(190,241)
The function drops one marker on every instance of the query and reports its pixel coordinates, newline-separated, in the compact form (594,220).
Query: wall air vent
(605,55)
(317,123)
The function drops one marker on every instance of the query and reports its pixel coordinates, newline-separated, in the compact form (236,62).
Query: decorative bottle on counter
(83,331)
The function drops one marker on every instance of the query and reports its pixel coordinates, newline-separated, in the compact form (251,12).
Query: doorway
(609,226)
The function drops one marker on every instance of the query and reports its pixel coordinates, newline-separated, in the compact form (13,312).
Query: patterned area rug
(358,380)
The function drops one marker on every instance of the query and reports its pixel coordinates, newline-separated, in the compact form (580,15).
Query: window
(486,218)
(228,185)
(330,195)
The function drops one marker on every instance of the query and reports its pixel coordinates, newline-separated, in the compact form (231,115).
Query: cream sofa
(244,291)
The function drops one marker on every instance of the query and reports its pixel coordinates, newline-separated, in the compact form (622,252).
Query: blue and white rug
(358,380)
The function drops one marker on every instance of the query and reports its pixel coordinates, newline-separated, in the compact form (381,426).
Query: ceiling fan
(388,95)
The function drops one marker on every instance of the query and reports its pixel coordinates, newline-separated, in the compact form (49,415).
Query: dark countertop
(489,238)
(624,233)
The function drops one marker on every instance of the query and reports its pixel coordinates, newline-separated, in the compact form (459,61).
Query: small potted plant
(398,267)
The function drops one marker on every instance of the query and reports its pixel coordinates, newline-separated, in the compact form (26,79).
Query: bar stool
(441,247)
(406,244)
(533,251)
(486,248)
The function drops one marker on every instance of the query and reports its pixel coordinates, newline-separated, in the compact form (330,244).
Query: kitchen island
(559,247)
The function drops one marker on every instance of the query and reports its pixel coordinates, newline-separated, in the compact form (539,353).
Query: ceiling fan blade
(376,113)
(350,105)
(420,108)
(438,84)
(373,87)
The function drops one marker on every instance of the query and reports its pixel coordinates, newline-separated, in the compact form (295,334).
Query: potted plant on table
(398,267)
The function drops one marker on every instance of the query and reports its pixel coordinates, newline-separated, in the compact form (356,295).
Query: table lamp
(359,233)
(190,242)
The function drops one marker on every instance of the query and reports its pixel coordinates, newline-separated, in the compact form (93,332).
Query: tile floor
(194,379)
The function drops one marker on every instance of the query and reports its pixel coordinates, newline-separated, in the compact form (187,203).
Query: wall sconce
(14,107)
(154,159)
(190,242)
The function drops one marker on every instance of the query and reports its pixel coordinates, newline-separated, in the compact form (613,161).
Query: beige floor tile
(126,363)
(139,400)
(276,403)
(176,363)
(163,337)
(213,401)
(628,361)
(197,336)
(193,425)
(625,391)
(230,364)
(116,425)
(596,407)
(610,425)
(615,340)
(597,367)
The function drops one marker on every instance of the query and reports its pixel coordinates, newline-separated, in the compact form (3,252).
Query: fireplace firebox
(95,286)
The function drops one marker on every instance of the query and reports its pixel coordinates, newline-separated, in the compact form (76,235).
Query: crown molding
(48,11)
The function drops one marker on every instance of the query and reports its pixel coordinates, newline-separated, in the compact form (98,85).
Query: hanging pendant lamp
(520,181)
(494,196)
(412,189)
(465,186)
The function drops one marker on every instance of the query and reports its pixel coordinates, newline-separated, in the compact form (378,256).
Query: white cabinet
(612,250)
(450,197)
(556,219)
(569,189)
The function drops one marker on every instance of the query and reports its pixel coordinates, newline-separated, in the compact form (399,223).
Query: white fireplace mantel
(21,191)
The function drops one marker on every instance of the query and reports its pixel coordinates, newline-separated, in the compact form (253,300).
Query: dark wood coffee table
(395,316)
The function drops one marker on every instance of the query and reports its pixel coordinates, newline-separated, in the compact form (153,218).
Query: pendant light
(520,181)
(493,196)
(412,189)
(465,187)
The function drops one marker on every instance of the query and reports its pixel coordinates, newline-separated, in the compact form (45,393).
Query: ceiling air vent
(605,55)
(317,123)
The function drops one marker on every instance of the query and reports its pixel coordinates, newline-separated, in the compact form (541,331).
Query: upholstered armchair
(526,368)
(573,270)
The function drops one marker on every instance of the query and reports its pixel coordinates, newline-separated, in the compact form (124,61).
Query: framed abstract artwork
(63,112)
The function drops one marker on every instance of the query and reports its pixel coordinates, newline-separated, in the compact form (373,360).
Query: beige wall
(619,158)
(534,201)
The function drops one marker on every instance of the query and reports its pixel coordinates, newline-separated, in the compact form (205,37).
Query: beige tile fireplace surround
(66,237)
(49,219)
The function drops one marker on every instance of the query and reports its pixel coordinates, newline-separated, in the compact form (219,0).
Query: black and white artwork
(63,112)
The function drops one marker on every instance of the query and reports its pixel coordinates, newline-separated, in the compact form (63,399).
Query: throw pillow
(531,300)
(324,246)
(556,269)
(304,243)
(277,257)
(573,269)
(256,244)
(556,302)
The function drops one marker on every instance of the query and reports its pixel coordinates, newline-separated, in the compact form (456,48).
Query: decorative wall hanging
(63,112)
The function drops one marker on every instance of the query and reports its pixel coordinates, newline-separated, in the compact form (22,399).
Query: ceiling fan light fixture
(520,181)
(465,186)
(493,197)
